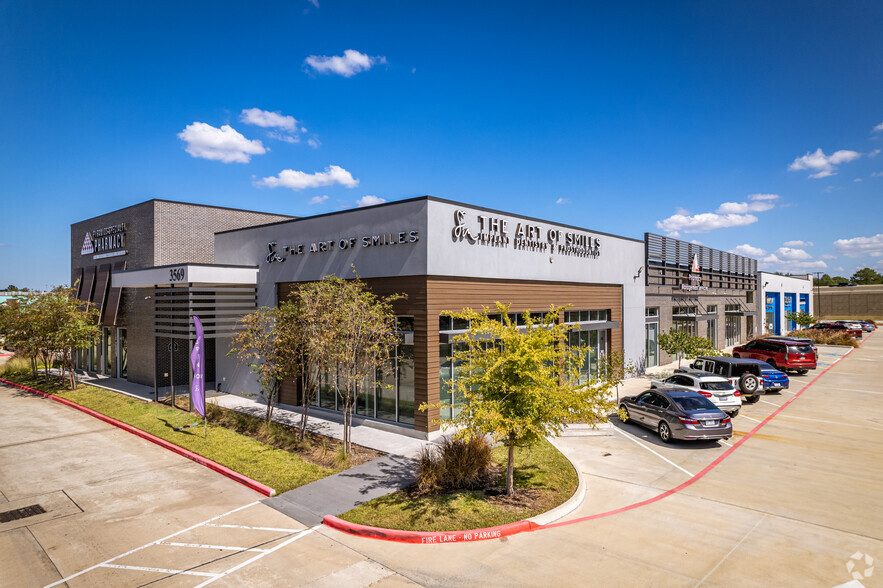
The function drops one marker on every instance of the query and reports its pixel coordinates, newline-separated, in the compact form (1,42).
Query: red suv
(782,355)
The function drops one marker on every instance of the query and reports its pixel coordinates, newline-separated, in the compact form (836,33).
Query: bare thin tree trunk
(510,467)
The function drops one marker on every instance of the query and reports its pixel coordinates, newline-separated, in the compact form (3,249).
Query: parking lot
(791,506)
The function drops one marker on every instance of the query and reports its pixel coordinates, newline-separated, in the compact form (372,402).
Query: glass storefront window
(711,332)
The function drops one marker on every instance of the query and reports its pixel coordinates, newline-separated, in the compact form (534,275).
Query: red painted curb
(428,537)
(223,470)
(400,536)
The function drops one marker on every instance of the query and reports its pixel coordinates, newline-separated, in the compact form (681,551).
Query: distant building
(783,295)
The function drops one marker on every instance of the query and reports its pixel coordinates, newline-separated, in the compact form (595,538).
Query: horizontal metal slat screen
(219,309)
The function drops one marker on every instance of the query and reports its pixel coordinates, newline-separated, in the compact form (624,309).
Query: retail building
(445,256)
(783,295)
(698,290)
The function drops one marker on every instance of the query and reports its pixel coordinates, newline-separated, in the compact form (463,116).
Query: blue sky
(746,126)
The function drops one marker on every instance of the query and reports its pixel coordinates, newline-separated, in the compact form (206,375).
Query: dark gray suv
(745,376)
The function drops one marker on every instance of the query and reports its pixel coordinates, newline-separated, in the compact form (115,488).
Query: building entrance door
(652,344)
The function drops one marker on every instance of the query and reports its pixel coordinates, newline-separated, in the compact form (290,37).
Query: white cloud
(826,165)
(682,211)
(858,246)
(702,223)
(369,200)
(695,242)
(791,260)
(298,180)
(792,254)
(763,197)
(314,142)
(562,201)
(798,243)
(318,199)
(748,250)
(878,128)
(224,144)
(346,65)
(875,152)
(857,180)
(827,256)
(267,119)
(284,137)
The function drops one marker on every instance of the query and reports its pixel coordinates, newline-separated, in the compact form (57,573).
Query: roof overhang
(186,273)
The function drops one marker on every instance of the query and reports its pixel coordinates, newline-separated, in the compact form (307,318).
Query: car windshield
(693,402)
(716,386)
(799,349)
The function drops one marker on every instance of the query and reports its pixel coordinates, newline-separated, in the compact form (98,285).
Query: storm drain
(21,513)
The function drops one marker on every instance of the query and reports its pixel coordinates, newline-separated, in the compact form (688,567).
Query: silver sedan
(677,414)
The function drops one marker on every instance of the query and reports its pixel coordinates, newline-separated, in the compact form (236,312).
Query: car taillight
(704,393)
(737,393)
(724,421)
(687,421)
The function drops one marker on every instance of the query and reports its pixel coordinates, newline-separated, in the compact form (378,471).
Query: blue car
(773,379)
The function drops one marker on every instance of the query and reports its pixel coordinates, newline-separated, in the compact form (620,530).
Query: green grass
(276,468)
(541,472)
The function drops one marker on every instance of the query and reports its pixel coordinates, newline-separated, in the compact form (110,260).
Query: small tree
(256,345)
(520,384)
(684,345)
(866,276)
(359,333)
(614,369)
(803,319)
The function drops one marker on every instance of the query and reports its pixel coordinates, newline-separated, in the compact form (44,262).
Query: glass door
(122,355)
(652,345)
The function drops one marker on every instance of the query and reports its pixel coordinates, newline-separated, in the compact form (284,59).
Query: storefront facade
(109,250)
(698,290)
(782,295)
(445,256)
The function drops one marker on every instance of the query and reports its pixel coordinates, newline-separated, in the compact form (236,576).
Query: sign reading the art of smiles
(106,241)
(524,236)
(278,254)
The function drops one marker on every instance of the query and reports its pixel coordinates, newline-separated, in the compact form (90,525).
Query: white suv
(717,389)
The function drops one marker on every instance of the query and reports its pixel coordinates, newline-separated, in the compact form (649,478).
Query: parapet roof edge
(434,199)
(185,204)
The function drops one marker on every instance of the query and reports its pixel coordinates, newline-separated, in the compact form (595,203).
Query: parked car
(801,340)
(781,354)
(852,325)
(745,376)
(835,327)
(867,327)
(773,379)
(677,414)
(717,389)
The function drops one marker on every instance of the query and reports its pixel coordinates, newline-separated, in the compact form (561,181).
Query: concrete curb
(428,537)
(223,470)
(569,505)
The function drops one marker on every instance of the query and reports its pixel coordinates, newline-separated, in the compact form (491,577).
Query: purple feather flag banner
(197,360)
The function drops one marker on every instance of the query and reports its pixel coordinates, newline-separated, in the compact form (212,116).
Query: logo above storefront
(494,231)
(106,241)
(279,255)
(87,245)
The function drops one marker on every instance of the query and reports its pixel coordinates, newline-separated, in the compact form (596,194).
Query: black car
(677,414)
(745,376)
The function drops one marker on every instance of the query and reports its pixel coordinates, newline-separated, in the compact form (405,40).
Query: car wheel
(736,355)
(752,399)
(626,417)
(665,432)
(734,414)
(748,384)
(801,372)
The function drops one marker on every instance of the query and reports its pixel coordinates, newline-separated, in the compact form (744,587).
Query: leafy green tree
(803,319)
(359,331)
(866,276)
(256,345)
(614,369)
(684,345)
(520,384)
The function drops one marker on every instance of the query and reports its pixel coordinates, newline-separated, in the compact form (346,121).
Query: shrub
(822,337)
(16,365)
(454,465)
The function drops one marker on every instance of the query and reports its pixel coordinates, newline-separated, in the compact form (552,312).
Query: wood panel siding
(430,296)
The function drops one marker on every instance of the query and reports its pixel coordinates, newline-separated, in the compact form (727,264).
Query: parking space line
(730,552)
(856,390)
(832,422)
(749,418)
(300,535)
(130,552)
(157,570)
(724,442)
(255,528)
(630,438)
(768,402)
(221,547)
